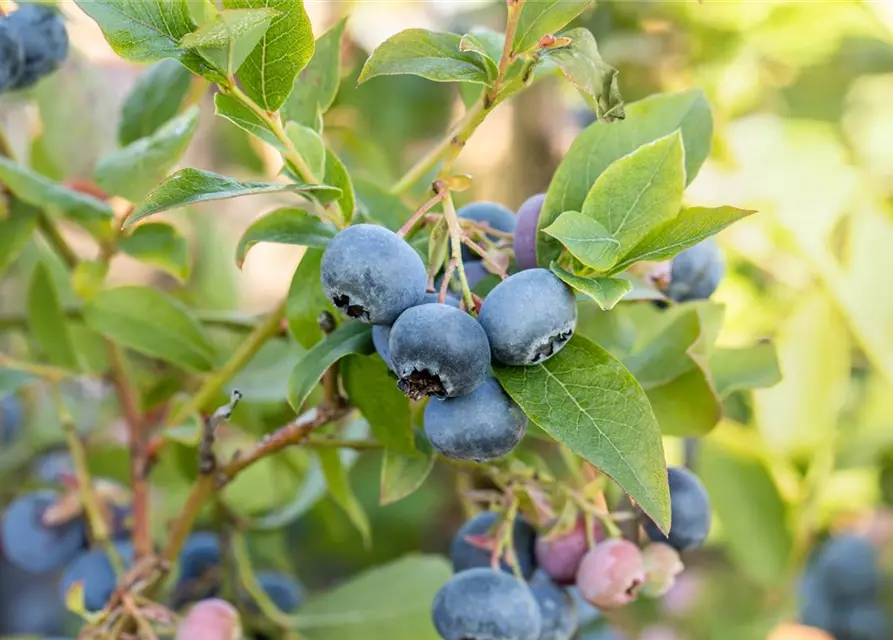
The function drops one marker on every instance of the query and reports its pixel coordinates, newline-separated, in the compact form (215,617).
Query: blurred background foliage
(801,94)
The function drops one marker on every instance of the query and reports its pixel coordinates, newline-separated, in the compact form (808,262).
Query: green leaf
(584,398)
(228,107)
(269,72)
(586,239)
(800,414)
(153,323)
(640,191)
(88,278)
(46,321)
(306,300)
(582,64)
(285,226)
(309,144)
(470,42)
(35,189)
(132,171)
(754,367)
(160,245)
(265,377)
(402,475)
(378,204)
(750,508)
(146,30)
(317,85)
(678,234)
(339,488)
(15,230)
(384,603)
(670,362)
(336,175)
(372,390)
(429,54)
(350,337)
(228,39)
(189,186)
(607,292)
(156,97)
(544,17)
(601,144)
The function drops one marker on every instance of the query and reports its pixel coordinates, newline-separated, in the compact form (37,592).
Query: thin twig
(468,242)
(425,208)
(449,212)
(207,459)
(514,14)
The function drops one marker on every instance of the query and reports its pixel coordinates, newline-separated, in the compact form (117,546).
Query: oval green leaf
(285,226)
(153,323)
(587,400)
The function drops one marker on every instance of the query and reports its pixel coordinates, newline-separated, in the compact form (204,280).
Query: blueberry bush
(462,419)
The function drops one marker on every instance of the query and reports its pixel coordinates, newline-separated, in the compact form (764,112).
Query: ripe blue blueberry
(483,604)
(689,512)
(696,272)
(525,232)
(10,417)
(28,602)
(557,607)
(438,350)
(481,425)
(848,565)
(94,571)
(285,592)
(493,214)
(529,317)
(381,333)
(466,555)
(371,274)
(44,41)
(33,545)
(200,561)
(864,621)
(12,56)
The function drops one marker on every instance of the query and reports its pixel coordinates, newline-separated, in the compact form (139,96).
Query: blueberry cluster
(435,348)
(840,591)
(526,597)
(33,44)
(200,577)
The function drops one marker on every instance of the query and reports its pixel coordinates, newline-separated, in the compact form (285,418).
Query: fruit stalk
(449,212)
(92,506)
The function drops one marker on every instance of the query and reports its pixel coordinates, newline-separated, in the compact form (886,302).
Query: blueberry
(815,607)
(529,317)
(210,620)
(12,56)
(696,272)
(466,556)
(483,604)
(11,417)
(848,566)
(557,608)
(482,425)
(200,561)
(33,545)
(497,216)
(381,333)
(94,571)
(28,603)
(44,41)
(611,574)
(689,512)
(525,232)
(559,554)
(438,350)
(865,621)
(371,274)
(51,466)
(283,590)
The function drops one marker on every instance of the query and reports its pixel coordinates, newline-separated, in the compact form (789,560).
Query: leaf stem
(449,212)
(224,319)
(271,326)
(57,241)
(92,505)
(514,15)
(45,372)
(139,481)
